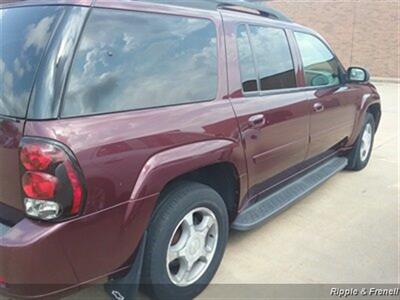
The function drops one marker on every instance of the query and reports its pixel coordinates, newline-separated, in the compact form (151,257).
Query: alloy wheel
(192,247)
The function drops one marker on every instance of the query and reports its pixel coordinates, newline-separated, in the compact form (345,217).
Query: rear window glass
(25,33)
(248,71)
(141,60)
(273,57)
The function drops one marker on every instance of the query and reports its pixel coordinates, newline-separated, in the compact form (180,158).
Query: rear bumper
(42,259)
(32,260)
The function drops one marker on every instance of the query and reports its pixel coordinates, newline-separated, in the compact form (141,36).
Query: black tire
(176,203)
(356,163)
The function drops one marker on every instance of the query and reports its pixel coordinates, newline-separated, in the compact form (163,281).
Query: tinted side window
(141,60)
(247,68)
(25,33)
(320,66)
(273,56)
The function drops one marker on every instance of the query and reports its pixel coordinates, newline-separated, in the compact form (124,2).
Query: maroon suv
(135,134)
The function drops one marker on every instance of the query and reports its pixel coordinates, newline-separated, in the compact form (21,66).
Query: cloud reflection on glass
(141,60)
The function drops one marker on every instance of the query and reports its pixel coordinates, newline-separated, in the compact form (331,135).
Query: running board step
(268,207)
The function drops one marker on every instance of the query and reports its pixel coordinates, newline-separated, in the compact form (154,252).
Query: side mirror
(320,80)
(355,74)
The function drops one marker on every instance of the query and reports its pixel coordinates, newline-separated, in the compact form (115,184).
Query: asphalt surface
(347,231)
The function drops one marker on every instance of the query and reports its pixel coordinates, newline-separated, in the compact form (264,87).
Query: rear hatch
(24,35)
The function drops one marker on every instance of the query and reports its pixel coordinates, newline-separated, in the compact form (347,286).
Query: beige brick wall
(362,33)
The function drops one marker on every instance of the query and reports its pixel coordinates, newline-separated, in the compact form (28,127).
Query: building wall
(362,33)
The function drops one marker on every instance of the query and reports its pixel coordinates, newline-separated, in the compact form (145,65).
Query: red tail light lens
(2,281)
(39,185)
(38,157)
(52,180)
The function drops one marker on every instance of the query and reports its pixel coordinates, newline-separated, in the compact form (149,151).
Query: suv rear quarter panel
(112,149)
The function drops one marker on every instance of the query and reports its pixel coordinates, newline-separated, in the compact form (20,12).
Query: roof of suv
(239,5)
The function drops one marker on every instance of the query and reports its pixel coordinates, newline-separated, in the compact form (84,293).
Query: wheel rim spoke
(184,272)
(205,224)
(173,254)
(188,220)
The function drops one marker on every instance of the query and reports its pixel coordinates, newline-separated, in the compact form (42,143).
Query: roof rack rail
(252,8)
(244,6)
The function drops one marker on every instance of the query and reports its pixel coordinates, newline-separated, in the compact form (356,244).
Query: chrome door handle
(257,121)
(318,107)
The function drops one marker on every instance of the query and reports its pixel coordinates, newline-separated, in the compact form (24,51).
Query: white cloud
(130,42)
(9,101)
(38,35)
(18,69)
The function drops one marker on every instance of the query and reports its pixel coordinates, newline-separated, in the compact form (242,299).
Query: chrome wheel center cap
(194,246)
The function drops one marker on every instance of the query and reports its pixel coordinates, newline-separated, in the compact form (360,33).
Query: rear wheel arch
(221,177)
(215,163)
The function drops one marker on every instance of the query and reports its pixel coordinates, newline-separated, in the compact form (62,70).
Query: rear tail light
(35,157)
(39,185)
(2,281)
(42,209)
(52,181)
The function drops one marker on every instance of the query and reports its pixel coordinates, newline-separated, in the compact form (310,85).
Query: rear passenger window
(273,58)
(134,60)
(247,68)
(321,68)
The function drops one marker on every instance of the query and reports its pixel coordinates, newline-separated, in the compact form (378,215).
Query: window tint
(247,68)
(273,57)
(25,33)
(320,66)
(141,60)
